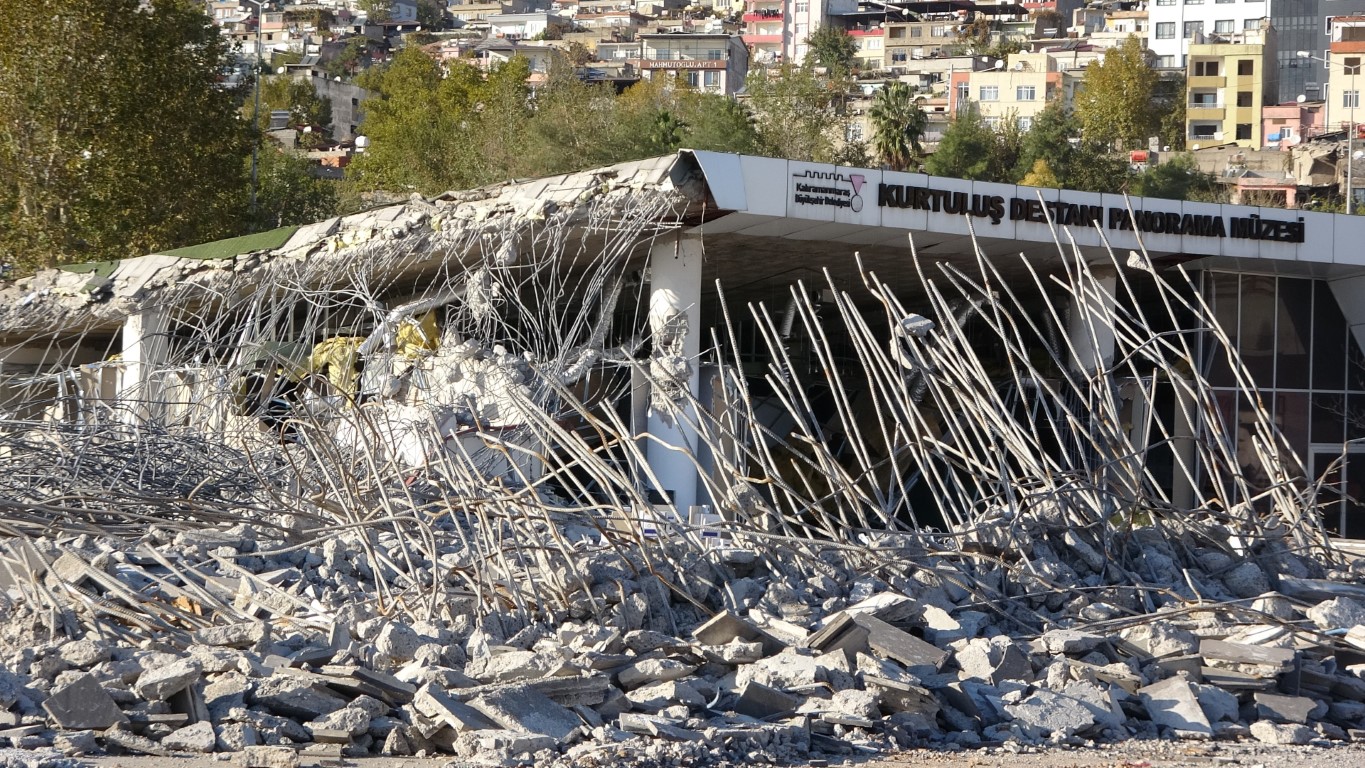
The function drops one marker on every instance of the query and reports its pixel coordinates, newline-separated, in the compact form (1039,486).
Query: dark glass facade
(1301,25)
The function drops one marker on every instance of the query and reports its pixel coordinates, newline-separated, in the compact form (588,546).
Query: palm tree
(897,125)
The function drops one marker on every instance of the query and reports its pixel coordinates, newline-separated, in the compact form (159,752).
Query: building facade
(712,63)
(1175,25)
(1227,84)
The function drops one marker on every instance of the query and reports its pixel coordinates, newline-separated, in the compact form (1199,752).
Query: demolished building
(906,458)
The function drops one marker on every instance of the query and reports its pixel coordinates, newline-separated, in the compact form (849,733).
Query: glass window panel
(1223,294)
(1329,340)
(1256,340)
(1293,333)
(1328,421)
(1355,496)
(1355,364)
(1291,415)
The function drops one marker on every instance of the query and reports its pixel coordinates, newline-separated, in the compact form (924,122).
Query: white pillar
(145,349)
(1090,327)
(675,326)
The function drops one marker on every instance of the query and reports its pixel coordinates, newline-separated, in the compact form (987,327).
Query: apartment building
(1345,53)
(1227,83)
(1175,25)
(1020,86)
(717,63)
(776,30)
(911,41)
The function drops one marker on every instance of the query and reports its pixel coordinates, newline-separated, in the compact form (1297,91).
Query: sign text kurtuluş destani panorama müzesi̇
(844,190)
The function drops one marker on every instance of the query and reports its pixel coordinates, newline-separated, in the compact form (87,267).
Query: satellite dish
(1301,99)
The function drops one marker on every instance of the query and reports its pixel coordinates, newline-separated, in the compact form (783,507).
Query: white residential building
(776,30)
(1174,24)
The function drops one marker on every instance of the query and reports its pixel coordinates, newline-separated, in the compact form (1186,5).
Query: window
(964,92)
(1246,67)
(1351,65)
(1194,2)
(1203,100)
(715,54)
(1165,30)
(989,93)
(1165,2)
(1165,62)
(803,7)
(1244,98)
(992,123)
(1025,93)
(897,33)
(801,29)
(872,44)
(899,57)
(1350,99)
(1253,24)
(1224,27)
(940,30)
(693,78)
(1206,69)
(1286,132)
(917,31)
(1025,123)
(1244,131)
(1193,28)
(1202,131)
(712,78)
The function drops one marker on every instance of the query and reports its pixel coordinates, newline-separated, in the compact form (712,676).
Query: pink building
(1286,125)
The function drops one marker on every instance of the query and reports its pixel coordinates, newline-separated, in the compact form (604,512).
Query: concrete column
(146,347)
(1090,325)
(675,327)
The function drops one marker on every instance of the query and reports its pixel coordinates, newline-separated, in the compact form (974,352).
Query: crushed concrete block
(1338,613)
(444,708)
(1218,704)
(83,654)
(82,705)
(514,666)
(644,725)
(1069,641)
(351,721)
(296,697)
(1284,709)
(117,739)
(522,708)
(1278,733)
(1172,703)
(1053,714)
(244,635)
(726,627)
(1246,580)
(398,641)
(658,696)
(75,743)
(994,660)
(484,743)
(196,737)
(269,757)
(860,704)
(161,683)
(761,701)
(1099,699)
(234,737)
(1242,653)
(648,671)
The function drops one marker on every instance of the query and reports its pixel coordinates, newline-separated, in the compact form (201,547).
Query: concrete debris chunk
(522,708)
(83,704)
(1338,613)
(1284,709)
(1172,703)
(444,708)
(162,682)
(269,757)
(1279,733)
(761,701)
(1053,714)
(196,737)
(296,697)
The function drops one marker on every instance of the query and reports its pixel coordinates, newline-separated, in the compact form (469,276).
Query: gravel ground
(1136,754)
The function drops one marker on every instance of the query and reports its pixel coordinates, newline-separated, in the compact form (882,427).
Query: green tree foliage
(1040,175)
(432,131)
(288,192)
(832,48)
(967,149)
(117,136)
(1170,100)
(431,14)
(292,95)
(898,123)
(799,114)
(1076,163)
(1178,179)
(1115,104)
(579,54)
(353,58)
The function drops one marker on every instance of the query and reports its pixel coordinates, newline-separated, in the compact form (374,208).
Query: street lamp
(1351,131)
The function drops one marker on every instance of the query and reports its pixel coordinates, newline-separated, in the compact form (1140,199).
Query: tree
(376,10)
(717,123)
(297,97)
(832,48)
(117,136)
(1040,175)
(1170,101)
(1179,178)
(798,114)
(288,192)
(1115,104)
(897,125)
(1049,140)
(579,54)
(966,149)
(431,14)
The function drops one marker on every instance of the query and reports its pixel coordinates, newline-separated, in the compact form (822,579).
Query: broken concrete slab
(1172,703)
(760,701)
(1284,709)
(296,697)
(83,705)
(197,737)
(162,682)
(269,757)
(1278,733)
(440,706)
(522,708)
(1053,714)
(725,627)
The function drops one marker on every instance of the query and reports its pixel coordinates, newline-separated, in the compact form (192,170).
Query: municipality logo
(840,190)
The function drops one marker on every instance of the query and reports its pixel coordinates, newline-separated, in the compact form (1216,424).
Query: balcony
(1348,46)
(757,39)
(767,14)
(1206,81)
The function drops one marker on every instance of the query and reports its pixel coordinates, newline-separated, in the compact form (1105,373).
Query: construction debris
(403,545)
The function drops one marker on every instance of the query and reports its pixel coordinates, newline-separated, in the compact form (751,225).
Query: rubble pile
(744,654)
